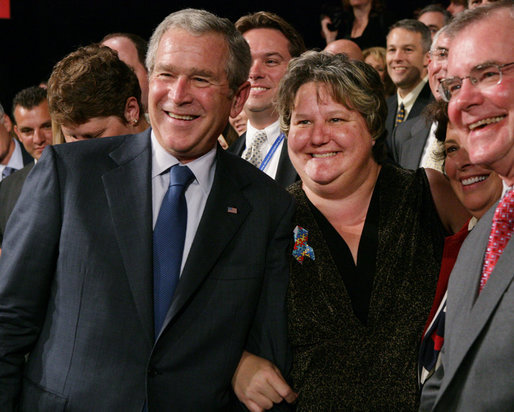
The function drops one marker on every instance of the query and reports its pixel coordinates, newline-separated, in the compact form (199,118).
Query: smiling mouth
(182,116)
(259,89)
(473,180)
(323,155)
(485,122)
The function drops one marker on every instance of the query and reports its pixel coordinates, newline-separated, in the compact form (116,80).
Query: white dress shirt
(196,193)
(409,100)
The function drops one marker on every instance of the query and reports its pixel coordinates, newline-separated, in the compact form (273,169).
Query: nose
(256,70)
(461,159)
(180,92)
(320,134)
(38,136)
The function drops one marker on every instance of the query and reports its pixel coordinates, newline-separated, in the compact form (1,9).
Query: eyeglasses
(439,54)
(481,76)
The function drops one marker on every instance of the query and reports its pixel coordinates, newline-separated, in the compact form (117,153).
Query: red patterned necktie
(501,232)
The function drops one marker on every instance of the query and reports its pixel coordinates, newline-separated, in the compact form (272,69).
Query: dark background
(41,32)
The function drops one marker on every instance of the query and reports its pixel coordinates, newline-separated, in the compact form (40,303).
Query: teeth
(471,180)
(483,122)
(321,155)
(181,117)
(259,89)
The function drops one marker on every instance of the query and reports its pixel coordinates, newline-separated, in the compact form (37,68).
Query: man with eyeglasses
(476,373)
(413,142)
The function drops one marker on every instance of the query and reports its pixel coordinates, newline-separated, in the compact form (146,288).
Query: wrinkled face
(438,63)
(486,115)
(270,55)
(94,128)
(329,144)
(476,187)
(34,128)
(377,64)
(127,53)
(190,99)
(405,59)
(433,20)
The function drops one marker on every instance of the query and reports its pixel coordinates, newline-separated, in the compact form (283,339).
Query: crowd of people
(221,219)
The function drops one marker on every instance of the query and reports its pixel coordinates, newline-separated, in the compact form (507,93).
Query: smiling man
(408,43)
(413,142)
(273,42)
(478,354)
(106,304)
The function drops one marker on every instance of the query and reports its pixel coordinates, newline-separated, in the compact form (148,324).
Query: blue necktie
(7,171)
(168,242)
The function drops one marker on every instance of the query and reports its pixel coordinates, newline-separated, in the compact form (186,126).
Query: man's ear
(132,111)
(8,123)
(239,99)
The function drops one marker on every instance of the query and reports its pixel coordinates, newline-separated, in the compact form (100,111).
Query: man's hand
(259,384)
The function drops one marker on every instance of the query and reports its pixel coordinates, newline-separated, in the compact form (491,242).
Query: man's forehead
(39,110)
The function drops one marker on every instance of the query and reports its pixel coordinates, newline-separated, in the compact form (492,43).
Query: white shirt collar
(202,167)
(272,132)
(409,100)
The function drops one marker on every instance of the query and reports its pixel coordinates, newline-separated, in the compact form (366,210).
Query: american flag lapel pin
(232,210)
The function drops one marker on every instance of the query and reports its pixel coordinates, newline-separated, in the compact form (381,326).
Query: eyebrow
(193,71)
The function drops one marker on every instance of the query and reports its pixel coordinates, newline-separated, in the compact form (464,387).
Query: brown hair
(91,82)
(267,20)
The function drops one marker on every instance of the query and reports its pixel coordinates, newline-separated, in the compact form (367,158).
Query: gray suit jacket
(424,98)
(478,352)
(76,285)
(408,142)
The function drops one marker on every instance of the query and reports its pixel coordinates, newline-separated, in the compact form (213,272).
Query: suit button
(153,372)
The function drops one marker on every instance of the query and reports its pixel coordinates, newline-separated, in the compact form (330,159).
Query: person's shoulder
(249,177)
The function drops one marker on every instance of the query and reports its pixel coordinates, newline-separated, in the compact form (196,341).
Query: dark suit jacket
(478,352)
(286,173)
(27,158)
(76,285)
(424,98)
(10,189)
(408,142)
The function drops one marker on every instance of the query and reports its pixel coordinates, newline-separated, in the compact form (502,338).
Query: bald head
(347,47)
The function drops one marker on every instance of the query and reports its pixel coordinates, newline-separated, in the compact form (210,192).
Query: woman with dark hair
(366,22)
(367,245)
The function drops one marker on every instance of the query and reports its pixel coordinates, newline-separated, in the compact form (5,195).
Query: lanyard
(271,151)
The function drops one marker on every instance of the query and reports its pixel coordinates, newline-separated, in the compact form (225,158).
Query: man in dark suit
(478,351)
(413,142)
(273,42)
(33,127)
(77,287)
(408,43)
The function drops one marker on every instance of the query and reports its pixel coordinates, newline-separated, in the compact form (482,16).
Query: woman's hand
(259,384)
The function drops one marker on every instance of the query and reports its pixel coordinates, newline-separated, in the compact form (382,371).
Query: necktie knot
(7,171)
(180,175)
(253,153)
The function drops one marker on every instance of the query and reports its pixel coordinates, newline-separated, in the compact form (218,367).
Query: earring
(134,121)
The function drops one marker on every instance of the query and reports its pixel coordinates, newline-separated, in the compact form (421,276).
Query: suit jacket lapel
(217,227)
(128,191)
(286,173)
